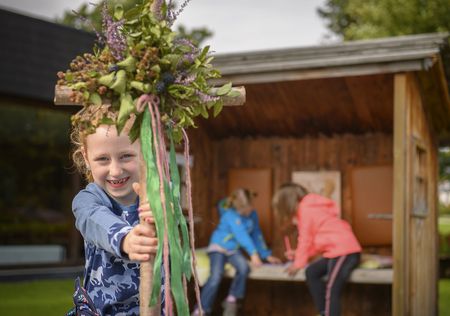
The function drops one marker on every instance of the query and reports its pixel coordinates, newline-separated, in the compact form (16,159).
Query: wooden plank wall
(283,156)
(213,159)
(423,260)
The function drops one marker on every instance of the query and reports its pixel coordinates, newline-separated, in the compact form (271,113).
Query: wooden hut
(368,113)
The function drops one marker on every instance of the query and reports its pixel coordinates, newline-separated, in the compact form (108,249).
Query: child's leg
(339,272)
(239,262)
(209,291)
(314,279)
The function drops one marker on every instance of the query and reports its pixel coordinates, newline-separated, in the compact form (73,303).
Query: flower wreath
(138,54)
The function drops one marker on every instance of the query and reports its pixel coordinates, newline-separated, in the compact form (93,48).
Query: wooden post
(400,211)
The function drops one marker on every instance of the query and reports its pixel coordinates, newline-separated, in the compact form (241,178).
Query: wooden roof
(344,88)
(386,55)
(357,105)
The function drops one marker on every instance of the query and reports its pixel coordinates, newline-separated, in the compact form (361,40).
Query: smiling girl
(107,215)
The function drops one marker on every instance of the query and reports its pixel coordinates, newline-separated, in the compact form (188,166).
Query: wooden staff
(146,269)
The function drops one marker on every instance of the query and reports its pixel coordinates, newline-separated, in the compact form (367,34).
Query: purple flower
(184,80)
(190,56)
(206,97)
(114,38)
(173,15)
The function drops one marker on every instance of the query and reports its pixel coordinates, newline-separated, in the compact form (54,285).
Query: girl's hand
(292,270)
(290,255)
(273,260)
(255,260)
(140,243)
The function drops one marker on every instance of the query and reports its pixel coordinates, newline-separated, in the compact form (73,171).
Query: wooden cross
(63,97)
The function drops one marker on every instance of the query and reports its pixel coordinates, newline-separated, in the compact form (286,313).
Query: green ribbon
(178,238)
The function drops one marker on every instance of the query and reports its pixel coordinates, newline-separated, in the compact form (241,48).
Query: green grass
(36,298)
(444,294)
(54,298)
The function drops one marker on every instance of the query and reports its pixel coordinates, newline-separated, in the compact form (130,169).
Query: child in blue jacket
(238,229)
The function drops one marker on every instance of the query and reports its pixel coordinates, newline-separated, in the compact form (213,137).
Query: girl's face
(114,162)
(242,203)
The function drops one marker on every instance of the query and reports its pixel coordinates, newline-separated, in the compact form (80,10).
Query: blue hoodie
(237,231)
(110,278)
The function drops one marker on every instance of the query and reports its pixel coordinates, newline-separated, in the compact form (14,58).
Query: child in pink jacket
(321,231)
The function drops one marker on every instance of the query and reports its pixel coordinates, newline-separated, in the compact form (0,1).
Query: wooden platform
(271,272)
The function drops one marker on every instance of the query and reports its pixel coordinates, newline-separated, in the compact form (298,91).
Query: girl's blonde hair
(241,198)
(287,197)
(78,139)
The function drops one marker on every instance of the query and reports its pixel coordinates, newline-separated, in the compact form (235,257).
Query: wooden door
(258,180)
(371,188)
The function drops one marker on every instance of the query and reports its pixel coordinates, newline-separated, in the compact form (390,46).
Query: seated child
(238,229)
(320,231)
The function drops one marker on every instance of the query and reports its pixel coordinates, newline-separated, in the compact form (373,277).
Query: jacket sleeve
(240,232)
(305,245)
(258,238)
(98,224)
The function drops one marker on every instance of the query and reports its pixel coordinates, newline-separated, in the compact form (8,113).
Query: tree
(362,19)
(89,18)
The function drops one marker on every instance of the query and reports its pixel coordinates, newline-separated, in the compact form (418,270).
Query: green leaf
(138,85)
(165,61)
(233,93)
(204,52)
(126,107)
(106,120)
(136,34)
(95,98)
(218,108)
(156,31)
(156,68)
(129,63)
(204,112)
(107,80)
(135,130)
(184,48)
(223,90)
(118,12)
(209,59)
(120,84)
(79,85)
(92,73)
(69,76)
(131,22)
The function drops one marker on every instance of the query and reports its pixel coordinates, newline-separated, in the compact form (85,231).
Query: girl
(321,231)
(106,214)
(238,228)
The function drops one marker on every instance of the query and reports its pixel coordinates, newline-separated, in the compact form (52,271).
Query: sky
(237,25)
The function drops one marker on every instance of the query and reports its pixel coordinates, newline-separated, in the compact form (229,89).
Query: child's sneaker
(229,308)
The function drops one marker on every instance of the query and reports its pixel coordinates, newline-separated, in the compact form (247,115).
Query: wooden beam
(400,223)
(63,96)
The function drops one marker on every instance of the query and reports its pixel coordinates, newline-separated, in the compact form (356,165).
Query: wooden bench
(276,273)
